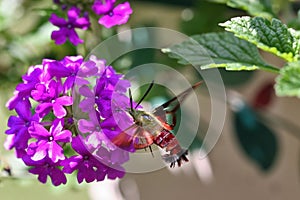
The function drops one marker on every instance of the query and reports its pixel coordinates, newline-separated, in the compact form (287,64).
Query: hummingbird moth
(152,128)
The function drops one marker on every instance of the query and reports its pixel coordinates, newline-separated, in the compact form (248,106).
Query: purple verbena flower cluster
(44,132)
(67,27)
(78,17)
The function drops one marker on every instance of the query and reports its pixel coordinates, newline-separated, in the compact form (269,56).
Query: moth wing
(140,138)
(171,107)
(124,139)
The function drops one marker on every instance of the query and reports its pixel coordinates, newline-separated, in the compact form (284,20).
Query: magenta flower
(87,104)
(45,92)
(107,101)
(46,117)
(18,125)
(112,161)
(102,93)
(48,141)
(44,168)
(51,99)
(95,135)
(112,16)
(85,163)
(73,69)
(67,27)
(24,89)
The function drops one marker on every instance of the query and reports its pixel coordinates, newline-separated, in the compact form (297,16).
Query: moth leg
(151,151)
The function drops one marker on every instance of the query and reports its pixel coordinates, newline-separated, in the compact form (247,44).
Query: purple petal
(37,94)
(32,74)
(56,127)
(71,164)
(31,149)
(103,155)
(69,61)
(57,177)
(41,172)
(57,21)
(60,36)
(55,152)
(43,109)
(25,87)
(81,81)
(13,101)
(108,123)
(73,37)
(38,131)
(29,162)
(69,83)
(87,69)
(73,13)
(86,126)
(42,176)
(59,111)
(116,172)
(21,139)
(86,91)
(99,8)
(58,70)
(86,173)
(41,151)
(23,110)
(108,21)
(123,9)
(87,105)
(80,176)
(100,175)
(94,117)
(122,86)
(82,23)
(15,123)
(20,153)
(55,87)
(64,136)
(78,145)
(120,16)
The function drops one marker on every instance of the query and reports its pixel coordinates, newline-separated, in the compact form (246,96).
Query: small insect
(152,128)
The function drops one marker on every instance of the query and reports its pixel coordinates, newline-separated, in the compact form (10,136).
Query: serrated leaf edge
(287,56)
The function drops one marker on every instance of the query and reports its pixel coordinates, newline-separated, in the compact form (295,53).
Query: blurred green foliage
(256,139)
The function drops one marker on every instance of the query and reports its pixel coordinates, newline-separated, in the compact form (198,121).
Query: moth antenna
(130,97)
(146,93)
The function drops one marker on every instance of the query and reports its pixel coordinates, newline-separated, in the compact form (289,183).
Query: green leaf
(288,82)
(218,50)
(261,8)
(273,37)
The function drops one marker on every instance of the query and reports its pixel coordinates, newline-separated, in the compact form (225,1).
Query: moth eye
(147,117)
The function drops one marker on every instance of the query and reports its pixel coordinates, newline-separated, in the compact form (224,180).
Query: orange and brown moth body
(152,127)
